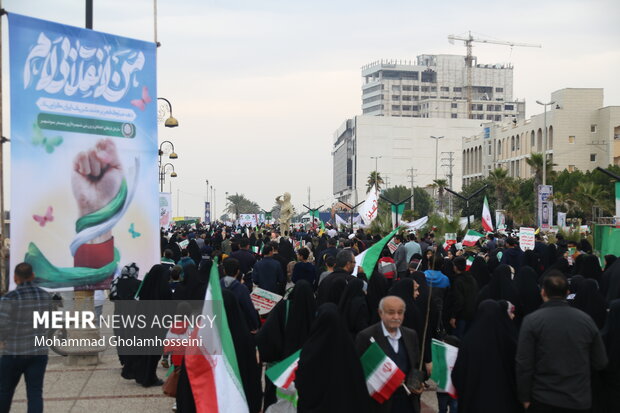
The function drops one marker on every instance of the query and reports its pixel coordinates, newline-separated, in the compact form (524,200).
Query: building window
(571,139)
(395,107)
(498,118)
(395,88)
(416,108)
(592,157)
(444,89)
(373,89)
(415,88)
(457,89)
(406,87)
(490,108)
(453,105)
(406,107)
(509,107)
(395,97)
(489,149)
(489,117)
(433,88)
(593,128)
(406,97)
(481,117)
(499,89)
(453,115)
(424,89)
(571,168)
(373,99)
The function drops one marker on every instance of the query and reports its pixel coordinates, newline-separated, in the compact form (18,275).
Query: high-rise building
(435,87)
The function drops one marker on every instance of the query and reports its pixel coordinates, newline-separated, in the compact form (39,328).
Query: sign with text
(84,195)
(527,238)
(264,300)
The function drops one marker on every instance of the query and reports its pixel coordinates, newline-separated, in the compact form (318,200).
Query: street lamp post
(162,174)
(544,148)
(173,155)
(171,121)
(436,152)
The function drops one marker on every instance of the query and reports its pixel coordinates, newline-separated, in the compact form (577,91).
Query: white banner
(562,219)
(370,208)
(165,209)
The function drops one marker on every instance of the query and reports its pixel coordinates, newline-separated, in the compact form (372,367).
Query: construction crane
(469,58)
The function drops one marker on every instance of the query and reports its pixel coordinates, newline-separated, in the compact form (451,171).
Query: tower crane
(469,39)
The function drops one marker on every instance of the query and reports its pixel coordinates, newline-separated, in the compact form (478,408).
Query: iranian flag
(468,263)
(397,213)
(382,375)
(282,374)
(487,223)
(212,366)
(444,357)
(368,259)
(471,238)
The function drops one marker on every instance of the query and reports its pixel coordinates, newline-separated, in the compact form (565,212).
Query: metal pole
(544,148)
(3,269)
(89,14)
(155,22)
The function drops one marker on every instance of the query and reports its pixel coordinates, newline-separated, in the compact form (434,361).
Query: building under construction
(436,86)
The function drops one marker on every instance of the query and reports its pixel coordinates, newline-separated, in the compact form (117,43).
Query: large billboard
(84,197)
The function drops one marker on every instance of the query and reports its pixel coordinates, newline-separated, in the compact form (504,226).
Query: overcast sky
(260,87)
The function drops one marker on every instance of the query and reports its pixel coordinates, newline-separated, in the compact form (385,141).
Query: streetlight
(162,175)
(171,121)
(376,158)
(161,152)
(544,160)
(436,152)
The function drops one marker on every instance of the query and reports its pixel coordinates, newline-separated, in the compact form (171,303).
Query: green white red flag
(471,238)
(382,375)
(487,222)
(444,357)
(469,262)
(368,259)
(282,373)
(212,366)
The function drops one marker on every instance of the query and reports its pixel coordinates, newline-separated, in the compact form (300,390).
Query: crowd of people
(536,330)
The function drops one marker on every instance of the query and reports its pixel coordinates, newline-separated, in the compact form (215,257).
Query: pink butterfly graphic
(141,103)
(42,220)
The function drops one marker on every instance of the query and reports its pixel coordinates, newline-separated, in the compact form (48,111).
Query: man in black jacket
(331,288)
(558,347)
(401,345)
(267,273)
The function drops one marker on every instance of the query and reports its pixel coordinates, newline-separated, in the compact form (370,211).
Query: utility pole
(309,196)
(411,180)
(450,164)
(436,153)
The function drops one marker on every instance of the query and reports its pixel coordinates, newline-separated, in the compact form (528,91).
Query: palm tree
(520,211)
(504,185)
(590,195)
(374,179)
(564,202)
(535,161)
(440,184)
(239,204)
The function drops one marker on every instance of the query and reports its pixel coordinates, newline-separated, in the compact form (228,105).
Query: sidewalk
(101,389)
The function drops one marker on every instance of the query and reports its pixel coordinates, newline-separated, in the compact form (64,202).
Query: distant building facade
(581,134)
(435,87)
(403,145)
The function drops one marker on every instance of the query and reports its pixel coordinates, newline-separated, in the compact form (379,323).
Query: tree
(589,195)
(564,202)
(422,202)
(374,179)
(502,184)
(396,194)
(440,185)
(520,211)
(239,204)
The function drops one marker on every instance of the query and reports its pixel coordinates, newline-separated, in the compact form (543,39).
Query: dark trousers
(11,370)
(444,401)
(538,407)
